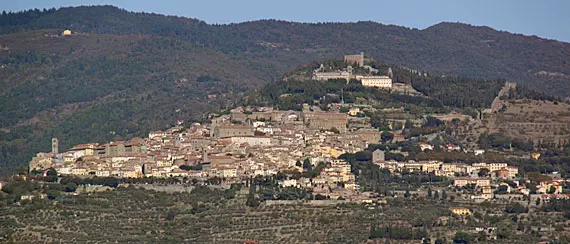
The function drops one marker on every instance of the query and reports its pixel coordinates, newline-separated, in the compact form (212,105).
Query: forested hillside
(441,91)
(101,87)
(122,74)
(446,48)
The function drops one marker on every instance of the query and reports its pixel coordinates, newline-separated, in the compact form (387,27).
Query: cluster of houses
(463,174)
(263,141)
(501,170)
(246,143)
(468,176)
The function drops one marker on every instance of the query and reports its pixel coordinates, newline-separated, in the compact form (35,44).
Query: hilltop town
(262,141)
(138,127)
(310,149)
(337,138)
(246,143)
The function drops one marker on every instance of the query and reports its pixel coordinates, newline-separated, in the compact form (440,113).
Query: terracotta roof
(220,157)
(83,146)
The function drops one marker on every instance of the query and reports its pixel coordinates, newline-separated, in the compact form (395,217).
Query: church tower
(54,146)
(205,156)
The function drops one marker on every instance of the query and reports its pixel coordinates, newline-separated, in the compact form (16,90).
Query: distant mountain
(447,48)
(122,73)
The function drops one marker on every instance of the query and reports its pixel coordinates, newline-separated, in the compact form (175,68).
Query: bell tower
(54,146)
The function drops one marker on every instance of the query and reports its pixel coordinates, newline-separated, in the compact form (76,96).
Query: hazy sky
(545,18)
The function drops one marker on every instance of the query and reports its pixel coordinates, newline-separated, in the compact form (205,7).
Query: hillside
(435,91)
(99,87)
(544,123)
(122,74)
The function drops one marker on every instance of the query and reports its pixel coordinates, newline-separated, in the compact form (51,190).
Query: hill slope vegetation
(447,48)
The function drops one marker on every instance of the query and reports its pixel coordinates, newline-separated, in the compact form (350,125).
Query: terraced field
(208,216)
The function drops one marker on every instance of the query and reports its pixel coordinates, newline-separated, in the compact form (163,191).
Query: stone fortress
(379,81)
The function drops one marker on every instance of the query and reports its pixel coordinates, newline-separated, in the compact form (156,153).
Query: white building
(289,183)
(478,152)
(375,81)
(424,146)
(258,124)
(102,173)
(324,76)
(252,141)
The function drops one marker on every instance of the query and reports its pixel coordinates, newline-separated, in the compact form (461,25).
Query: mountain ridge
(418,48)
(117,10)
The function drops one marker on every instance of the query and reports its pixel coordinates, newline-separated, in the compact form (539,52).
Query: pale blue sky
(546,18)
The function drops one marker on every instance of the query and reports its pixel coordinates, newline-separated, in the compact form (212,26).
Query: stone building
(326,121)
(357,59)
(253,140)
(199,142)
(378,156)
(269,115)
(369,136)
(41,161)
(233,130)
(219,162)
